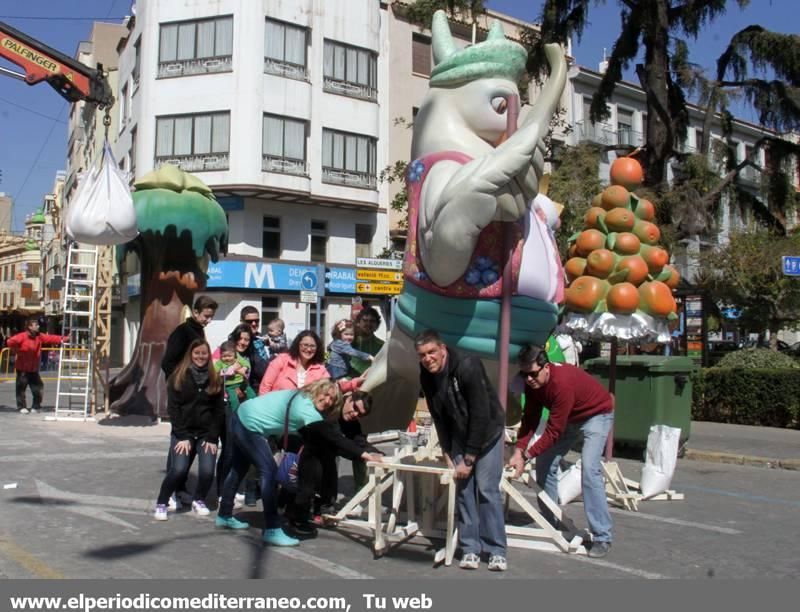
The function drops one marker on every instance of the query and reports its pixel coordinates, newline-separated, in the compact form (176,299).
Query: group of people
(303,400)
(311,405)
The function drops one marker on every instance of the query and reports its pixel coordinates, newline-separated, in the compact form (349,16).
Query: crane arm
(73,80)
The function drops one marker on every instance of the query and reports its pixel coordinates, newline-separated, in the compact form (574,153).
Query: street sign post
(791,265)
(379,288)
(381,264)
(379,275)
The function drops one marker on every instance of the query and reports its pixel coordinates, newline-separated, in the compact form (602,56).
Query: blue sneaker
(278,537)
(229,522)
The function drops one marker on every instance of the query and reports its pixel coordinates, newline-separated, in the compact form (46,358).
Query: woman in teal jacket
(250,425)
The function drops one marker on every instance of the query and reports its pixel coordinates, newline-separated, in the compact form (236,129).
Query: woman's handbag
(287,462)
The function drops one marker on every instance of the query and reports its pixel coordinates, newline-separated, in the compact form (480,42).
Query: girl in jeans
(196,411)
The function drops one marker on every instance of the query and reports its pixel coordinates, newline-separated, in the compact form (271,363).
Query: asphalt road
(80,497)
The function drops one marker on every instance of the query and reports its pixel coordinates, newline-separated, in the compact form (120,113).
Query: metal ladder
(76,357)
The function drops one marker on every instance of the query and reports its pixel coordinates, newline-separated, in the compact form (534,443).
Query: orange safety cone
(412,426)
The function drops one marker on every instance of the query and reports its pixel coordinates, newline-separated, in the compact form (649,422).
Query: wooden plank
(450,542)
(534,514)
(397,497)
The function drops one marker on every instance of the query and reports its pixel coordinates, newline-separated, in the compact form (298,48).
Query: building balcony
(285,69)
(284,165)
(189,67)
(605,134)
(196,163)
(353,90)
(630,137)
(348,178)
(750,176)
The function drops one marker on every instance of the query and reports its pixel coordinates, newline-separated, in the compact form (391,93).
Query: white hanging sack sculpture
(102,211)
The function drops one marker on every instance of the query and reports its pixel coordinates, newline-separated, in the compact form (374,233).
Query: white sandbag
(660,460)
(569,484)
(102,210)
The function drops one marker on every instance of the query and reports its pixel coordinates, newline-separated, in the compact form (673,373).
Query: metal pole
(612,386)
(508,250)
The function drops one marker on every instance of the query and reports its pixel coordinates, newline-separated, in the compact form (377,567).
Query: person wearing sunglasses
(579,406)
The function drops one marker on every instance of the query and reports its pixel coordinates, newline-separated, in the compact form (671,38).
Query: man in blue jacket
(470,423)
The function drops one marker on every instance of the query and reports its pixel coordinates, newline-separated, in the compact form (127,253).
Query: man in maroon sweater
(578,405)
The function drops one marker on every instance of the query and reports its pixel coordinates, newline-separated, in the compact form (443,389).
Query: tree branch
(730,176)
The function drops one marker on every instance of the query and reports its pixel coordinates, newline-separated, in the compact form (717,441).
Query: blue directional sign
(309,281)
(791,265)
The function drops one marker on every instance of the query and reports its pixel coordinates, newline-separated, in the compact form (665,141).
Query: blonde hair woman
(272,415)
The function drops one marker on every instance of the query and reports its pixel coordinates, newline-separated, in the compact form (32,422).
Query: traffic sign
(381,264)
(379,288)
(309,297)
(309,281)
(791,265)
(379,275)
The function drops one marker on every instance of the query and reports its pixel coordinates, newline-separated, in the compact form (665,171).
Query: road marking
(661,519)
(23,558)
(95,506)
(617,566)
(327,566)
(90,456)
(674,521)
(758,498)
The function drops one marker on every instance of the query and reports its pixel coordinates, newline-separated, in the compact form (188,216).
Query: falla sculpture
(473,174)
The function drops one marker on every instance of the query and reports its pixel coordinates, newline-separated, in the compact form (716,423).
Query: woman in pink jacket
(303,364)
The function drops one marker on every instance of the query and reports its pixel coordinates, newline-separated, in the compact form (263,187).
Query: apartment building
(281,108)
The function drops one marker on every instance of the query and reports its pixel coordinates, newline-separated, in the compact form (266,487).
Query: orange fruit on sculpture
(655,257)
(575,267)
(627,244)
(592,215)
(590,240)
(656,299)
(600,263)
(647,232)
(572,251)
(622,298)
(616,196)
(636,267)
(620,220)
(627,172)
(585,293)
(646,210)
(674,278)
(598,200)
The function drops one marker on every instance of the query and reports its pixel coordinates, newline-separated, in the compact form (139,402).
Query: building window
(363,240)
(420,54)
(319,241)
(283,147)
(270,309)
(133,154)
(196,47)
(348,159)
(32,271)
(350,71)
(271,241)
(323,316)
(285,50)
(137,61)
(123,107)
(625,133)
(194,142)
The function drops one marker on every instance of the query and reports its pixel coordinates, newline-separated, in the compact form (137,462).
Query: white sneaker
(34,411)
(470,561)
(161,513)
(238,501)
(498,563)
(199,508)
(174,504)
(23,411)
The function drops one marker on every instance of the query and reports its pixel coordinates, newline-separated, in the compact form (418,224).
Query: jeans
(481,522)
(226,456)
(251,448)
(180,466)
(595,432)
(32,379)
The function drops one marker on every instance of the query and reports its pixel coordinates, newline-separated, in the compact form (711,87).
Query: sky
(33,120)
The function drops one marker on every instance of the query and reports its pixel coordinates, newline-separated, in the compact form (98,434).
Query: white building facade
(280,107)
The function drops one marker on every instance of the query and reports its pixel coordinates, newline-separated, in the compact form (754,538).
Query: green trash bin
(650,390)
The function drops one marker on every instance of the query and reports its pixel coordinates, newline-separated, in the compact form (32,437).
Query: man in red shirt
(579,405)
(27,346)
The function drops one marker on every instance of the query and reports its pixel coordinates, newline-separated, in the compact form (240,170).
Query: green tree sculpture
(181,226)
